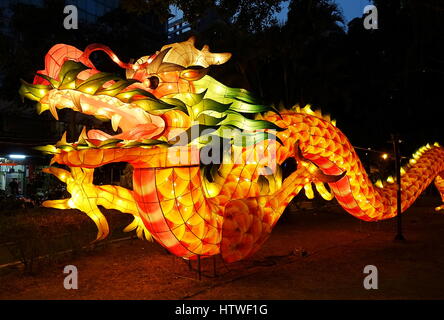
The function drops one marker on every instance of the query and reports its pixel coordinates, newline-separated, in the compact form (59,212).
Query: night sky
(350,8)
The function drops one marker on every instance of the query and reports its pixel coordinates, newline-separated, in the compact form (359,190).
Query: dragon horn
(100,47)
(186,55)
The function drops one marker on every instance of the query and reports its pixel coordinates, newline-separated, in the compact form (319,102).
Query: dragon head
(162,98)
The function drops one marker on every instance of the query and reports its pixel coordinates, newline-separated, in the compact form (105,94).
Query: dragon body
(170,116)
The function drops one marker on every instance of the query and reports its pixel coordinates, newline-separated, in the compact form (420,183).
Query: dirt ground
(317,254)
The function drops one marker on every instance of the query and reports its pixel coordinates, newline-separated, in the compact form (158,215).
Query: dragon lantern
(169,116)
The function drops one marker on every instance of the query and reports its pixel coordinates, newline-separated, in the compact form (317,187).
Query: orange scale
(194,171)
(108,155)
(213,236)
(196,182)
(273,203)
(242,190)
(251,203)
(196,247)
(254,189)
(167,206)
(259,169)
(225,169)
(236,156)
(181,187)
(247,172)
(262,201)
(186,200)
(199,230)
(256,229)
(282,154)
(163,175)
(185,212)
(249,154)
(197,195)
(134,152)
(195,220)
(210,249)
(174,217)
(93,158)
(237,169)
(166,183)
(305,135)
(73,158)
(316,140)
(171,223)
(229,186)
(120,152)
(183,173)
(166,191)
(221,199)
(188,237)
(230,179)
(267,219)
(204,210)
(179,231)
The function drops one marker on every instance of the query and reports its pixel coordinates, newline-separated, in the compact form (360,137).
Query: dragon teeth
(53,109)
(83,135)
(115,121)
(62,141)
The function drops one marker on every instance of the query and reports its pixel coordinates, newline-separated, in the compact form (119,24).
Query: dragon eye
(154,82)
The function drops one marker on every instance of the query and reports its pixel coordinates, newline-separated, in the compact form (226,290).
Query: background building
(22,48)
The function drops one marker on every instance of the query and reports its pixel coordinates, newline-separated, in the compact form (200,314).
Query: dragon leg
(249,222)
(439,183)
(86,197)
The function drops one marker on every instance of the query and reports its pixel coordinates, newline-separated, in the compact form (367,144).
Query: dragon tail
(329,157)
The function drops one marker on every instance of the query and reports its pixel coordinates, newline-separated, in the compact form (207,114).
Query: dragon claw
(141,231)
(86,197)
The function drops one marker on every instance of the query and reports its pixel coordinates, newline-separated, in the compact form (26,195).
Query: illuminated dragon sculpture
(169,116)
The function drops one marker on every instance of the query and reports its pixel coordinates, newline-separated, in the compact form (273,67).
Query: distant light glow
(17,156)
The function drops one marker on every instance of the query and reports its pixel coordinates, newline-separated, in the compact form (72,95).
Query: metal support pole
(399,236)
(198,267)
(214,266)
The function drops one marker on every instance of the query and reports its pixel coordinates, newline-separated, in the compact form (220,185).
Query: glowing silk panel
(206,157)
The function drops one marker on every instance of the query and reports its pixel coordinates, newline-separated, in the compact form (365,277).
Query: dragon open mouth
(134,122)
